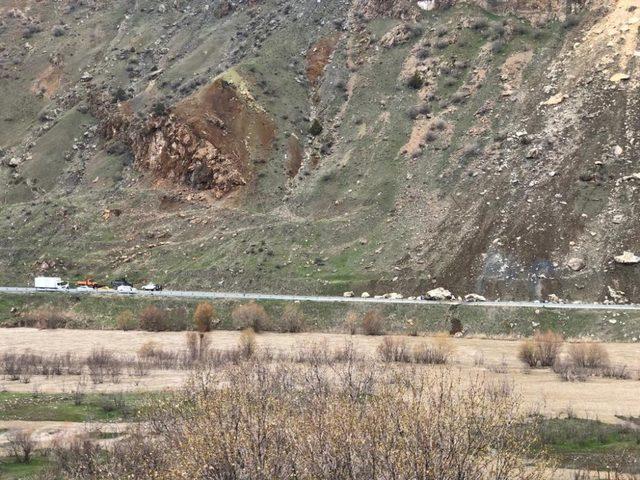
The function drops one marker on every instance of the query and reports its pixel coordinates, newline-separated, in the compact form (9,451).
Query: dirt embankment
(209,141)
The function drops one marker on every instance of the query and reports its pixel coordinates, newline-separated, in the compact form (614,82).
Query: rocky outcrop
(175,149)
(205,142)
(539,10)
(402,9)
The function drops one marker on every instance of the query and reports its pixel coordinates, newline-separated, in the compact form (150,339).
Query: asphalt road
(306,298)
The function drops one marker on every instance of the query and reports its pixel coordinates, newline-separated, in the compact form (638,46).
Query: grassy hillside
(320,147)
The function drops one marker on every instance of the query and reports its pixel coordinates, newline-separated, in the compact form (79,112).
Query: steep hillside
(323,146)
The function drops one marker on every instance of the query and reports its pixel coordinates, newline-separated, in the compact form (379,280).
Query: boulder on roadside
(439,294)
(627,258)
(348,294)
(474,297)
(617,296)
(365,295)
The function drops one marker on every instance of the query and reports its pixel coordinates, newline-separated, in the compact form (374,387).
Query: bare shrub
(153,319)
(126,320)
(203,316)
(293,320)
(57,30)
(247,343)
(102,363)
(430,136)
(373,323)
(620,372)
(439,124)
(14,365)
(351,322)
(148,349)
(153,355)
(588,355)
(192,341)
(251,315)
(367,425)
(21,445)
(542,350)
(569,372)
(393,350)
(77,457)
(47,318)
(437,352)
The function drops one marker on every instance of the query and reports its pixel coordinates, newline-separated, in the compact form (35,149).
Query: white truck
(50,284)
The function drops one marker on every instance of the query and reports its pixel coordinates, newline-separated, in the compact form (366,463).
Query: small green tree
(415,81)
(316,127)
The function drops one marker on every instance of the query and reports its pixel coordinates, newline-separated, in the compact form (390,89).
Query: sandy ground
(46,434)
(542,391)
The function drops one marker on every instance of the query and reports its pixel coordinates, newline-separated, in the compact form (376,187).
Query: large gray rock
(627,258)
(474,297)
(439,294)
(576,264)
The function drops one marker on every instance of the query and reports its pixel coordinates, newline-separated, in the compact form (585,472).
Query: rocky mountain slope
(324,145)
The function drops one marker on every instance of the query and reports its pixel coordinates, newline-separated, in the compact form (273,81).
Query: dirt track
(541,389)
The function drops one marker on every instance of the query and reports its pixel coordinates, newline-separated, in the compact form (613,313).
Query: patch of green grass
(62,408)
(12,470)
(590,444)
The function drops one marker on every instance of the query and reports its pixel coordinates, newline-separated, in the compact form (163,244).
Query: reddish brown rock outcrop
(206,142)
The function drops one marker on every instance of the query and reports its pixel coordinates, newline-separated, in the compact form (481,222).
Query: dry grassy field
(542,390)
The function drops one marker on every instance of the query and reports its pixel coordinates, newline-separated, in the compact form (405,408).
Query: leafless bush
(47,318)
(155,356)
(250,315)
(437,353)
(57,31)
(204,316)
(247,343)
(620,372)
(21,445)
(126,321)
(103,363)
(78,393)
(430,136)
(373,323)
(138,368)
(393,350)
(439,124)
(588,355)
(153,319)
(293,319)
(367,423)
(542,350)
(192,340)
(76,457)
(351,322)
(14,365)
(569,372)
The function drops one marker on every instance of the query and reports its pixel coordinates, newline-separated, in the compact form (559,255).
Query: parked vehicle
(127,289)
(87,282)
(50,284)
(121,282)
(151,287)
(84,288)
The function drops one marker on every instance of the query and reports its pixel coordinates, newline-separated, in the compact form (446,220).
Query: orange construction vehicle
(88,283)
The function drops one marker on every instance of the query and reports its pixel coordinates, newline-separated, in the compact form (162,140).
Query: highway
(328,299)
